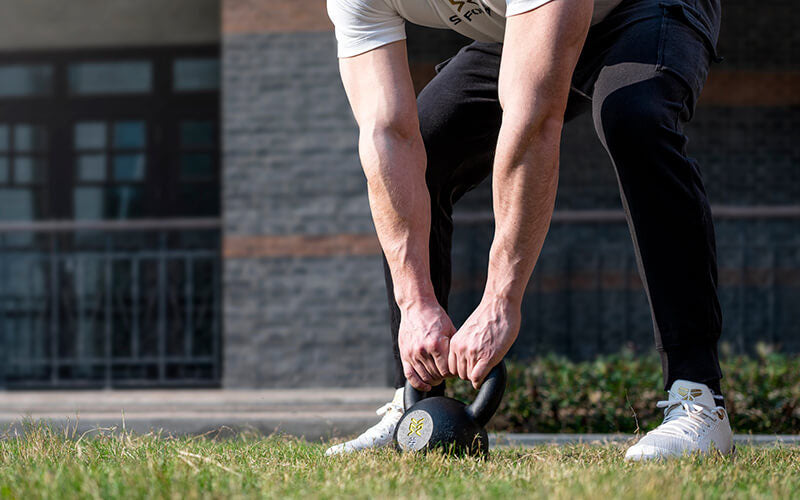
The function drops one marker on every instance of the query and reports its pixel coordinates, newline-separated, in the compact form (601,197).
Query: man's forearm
(379,87)
(525,179)
(533,89)
(394,163)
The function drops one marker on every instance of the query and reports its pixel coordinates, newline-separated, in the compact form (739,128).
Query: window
(30,80)
(111,166)
(198,166)
(129,77)
(23,166)
(196,74)
(95,134)
(99,135)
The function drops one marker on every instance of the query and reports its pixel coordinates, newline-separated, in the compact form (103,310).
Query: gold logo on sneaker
(689,395)
(416,425)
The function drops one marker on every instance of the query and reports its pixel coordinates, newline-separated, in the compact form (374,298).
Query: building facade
(181,202)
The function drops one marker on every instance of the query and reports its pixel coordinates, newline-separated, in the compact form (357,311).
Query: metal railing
(110,303)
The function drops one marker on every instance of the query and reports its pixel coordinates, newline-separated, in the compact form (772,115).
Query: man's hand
(424,342)
(484,339)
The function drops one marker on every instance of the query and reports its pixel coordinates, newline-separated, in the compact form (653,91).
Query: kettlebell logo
(416,426)
(414,431)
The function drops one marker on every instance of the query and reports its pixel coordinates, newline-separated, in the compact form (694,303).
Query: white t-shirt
(363,25)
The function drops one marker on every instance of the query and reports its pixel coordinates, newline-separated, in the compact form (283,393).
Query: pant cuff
(695,363)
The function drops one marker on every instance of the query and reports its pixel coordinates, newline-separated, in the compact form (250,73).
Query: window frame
(162,110)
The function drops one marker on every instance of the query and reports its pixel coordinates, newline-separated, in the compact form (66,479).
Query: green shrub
(618,393)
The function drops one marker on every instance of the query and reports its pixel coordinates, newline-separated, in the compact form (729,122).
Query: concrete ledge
(309,413)
(313,414)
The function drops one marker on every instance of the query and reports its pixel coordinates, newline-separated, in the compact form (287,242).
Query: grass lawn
(45,463)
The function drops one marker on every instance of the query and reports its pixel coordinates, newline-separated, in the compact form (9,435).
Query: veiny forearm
(525,179)
(378,85)
(394,163)
(533,88)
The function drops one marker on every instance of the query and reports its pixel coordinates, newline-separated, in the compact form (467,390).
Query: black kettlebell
(449,424)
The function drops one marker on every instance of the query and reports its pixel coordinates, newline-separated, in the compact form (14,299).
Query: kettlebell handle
(486,402)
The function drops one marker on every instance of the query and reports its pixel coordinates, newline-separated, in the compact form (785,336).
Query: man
(498,107)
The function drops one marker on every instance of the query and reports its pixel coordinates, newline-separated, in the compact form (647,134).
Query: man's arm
(540,51)
(378,85)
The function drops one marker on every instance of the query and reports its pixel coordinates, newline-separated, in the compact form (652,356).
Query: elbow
(384,145)
(397,125)
(542,127)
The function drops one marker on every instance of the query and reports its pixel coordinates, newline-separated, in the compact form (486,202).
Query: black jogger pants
(640,74)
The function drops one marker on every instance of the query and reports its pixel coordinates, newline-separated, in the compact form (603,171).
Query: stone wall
(303,283)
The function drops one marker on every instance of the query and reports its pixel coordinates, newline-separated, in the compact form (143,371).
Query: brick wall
(304,297)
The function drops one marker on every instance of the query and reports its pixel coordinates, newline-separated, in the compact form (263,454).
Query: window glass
(88,203)
(129,135)
(197,166)
(16,204)
(199,198)
(91,168)
(26,80)
(125,202)
(3,137)
(192,74)
(3,169)
(27,170)
(129,167)
(90,135)
(198,134)
(128,77)
(29,138)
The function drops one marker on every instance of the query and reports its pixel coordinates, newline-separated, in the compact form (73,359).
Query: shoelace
(683,417)
(383,410)
(383,428)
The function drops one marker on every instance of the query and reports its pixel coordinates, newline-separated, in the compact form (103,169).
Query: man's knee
(638,117)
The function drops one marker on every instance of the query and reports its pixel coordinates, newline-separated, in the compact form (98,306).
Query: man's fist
(424,342)
(483,340)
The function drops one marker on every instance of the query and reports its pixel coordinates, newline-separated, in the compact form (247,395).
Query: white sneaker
(692,422)
(380,434)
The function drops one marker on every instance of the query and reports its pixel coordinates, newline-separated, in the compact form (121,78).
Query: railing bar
(61,226)
(774,296)
(568,302)
(109,311)
(135,333)
(600,318)
(216,332)
(539,289)
(626,297)
(188,287)
(127,383)
(721,212)
(742,292)
(55,303)
(79,289)
(162,309)
(31,340)
(564,216)
(114,361)
(170,255)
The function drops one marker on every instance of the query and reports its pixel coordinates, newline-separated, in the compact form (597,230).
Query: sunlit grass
(46,463)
